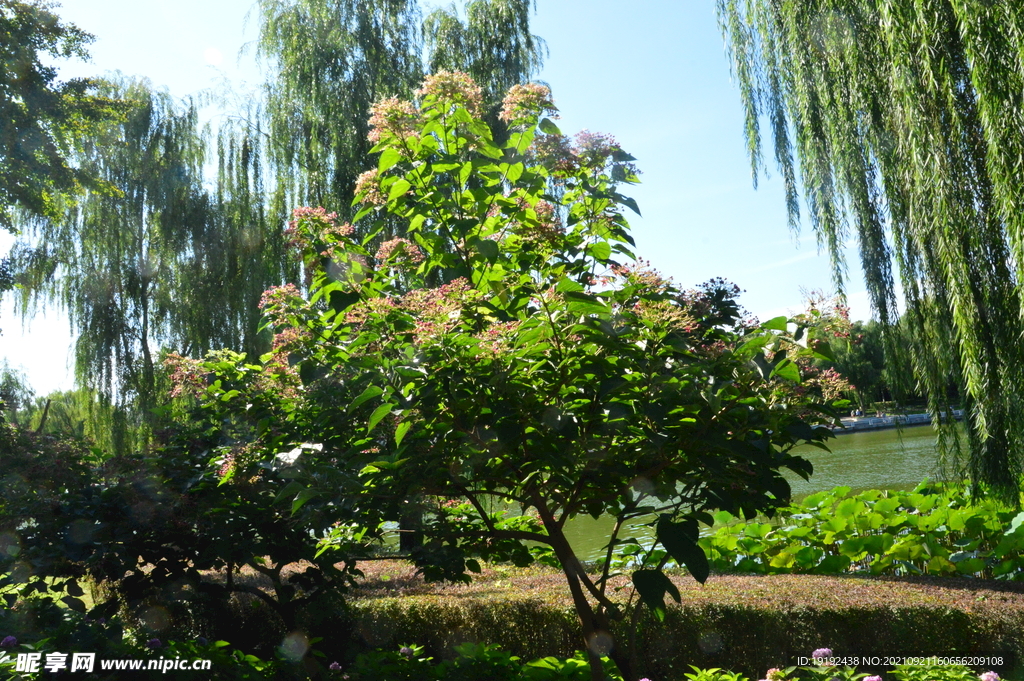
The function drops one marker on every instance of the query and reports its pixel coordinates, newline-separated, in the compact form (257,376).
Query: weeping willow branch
(902,122)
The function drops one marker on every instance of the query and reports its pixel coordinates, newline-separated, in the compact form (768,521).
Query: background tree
(113,260)
(493,45)
(15,393)
(41,114)
(862,362)
(332,59)
(905,119)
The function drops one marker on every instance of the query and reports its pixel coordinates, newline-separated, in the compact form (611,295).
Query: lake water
(881,459)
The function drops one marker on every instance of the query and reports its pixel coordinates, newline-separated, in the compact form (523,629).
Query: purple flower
(153,643)
(335,667)
(405,650)
(989,676)
(8,642)
(774,674)
(873,678)
(821,652)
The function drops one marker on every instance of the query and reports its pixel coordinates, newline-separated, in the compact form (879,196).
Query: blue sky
(653,73)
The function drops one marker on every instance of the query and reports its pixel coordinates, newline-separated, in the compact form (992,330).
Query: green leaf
(73,603)
(652,585)
(600,251)
(788,370)
(547,127)
(513,171)
(291,489)
(302,497)
(680,540)
(400,432)
(310,371)
(566,285)
(582,303)
(631,204)
(369,393)
(379,413)
(487,248)
(341,300)
(399,188)
(776,324)
(822,349)
(388,158)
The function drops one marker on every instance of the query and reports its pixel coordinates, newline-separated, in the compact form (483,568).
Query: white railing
(874,422)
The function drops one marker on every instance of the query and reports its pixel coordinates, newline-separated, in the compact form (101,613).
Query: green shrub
(474,662)
(931,530)
(743,623)
(933,673)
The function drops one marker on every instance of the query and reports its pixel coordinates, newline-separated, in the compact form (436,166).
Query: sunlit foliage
(40,114)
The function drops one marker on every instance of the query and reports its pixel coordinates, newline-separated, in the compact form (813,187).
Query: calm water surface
(881,459)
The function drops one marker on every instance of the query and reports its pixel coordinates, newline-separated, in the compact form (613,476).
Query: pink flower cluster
(360,312)
(829,382)
(547,228)
(393,117)
(289,339)
(829,313)
(595,147)
(453,88)
(437,310)
(554,152)
(526,102)
(317,215)
(186,375)
(241,457)
(368,187)
(227,465)
(436,299)
(312,226)
(642,274)
(594,151)
(499,337)
(280,296)
(399,253)
(664,314)
(279,377)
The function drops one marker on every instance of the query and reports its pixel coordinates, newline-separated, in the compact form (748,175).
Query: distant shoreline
(862,424)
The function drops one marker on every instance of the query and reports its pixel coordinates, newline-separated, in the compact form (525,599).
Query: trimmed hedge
(743,623)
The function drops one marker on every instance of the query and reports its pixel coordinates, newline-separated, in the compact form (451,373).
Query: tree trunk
(597,634)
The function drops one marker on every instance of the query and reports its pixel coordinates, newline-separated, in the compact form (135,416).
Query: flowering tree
(543,375)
